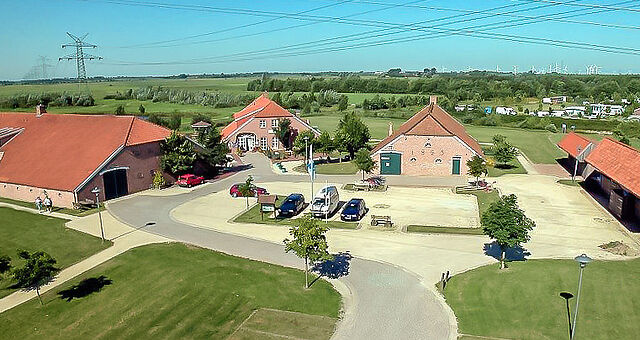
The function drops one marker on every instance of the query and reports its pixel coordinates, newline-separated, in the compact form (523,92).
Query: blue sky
(129,36)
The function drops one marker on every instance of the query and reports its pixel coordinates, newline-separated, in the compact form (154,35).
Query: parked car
(189,180)
(326,202)
(255,191)
(354,210)
(292,205)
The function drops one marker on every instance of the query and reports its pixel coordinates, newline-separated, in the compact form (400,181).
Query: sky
(167,37)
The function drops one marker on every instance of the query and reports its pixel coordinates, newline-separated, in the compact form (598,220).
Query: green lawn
(74,212)
(569,182)
(344,168)
(253,215)
(523,302)
(25,230)
(170,291)
(484,198)
(516,167)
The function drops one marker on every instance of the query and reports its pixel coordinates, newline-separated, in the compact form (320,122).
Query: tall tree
(215,150)
(174,121)
(5,264)
(141,109)
(477,167)
(343,102)
(119,110)
(178,154)
(309,242)
(364,162)
(39,268)
(503,151)
(299,143)
(246,189)
(507,224)
(325,144)
(283,132)
(352,134)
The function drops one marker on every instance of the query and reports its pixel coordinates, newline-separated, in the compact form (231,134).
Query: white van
(326,202)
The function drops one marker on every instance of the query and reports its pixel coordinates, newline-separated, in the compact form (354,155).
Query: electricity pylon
(79,56)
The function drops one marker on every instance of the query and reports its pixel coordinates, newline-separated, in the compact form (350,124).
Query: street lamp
(96,191)
(583,260)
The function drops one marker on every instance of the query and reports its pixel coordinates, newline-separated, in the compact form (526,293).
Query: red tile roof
(432,121)
(61,151)
(618,161)
(261,107)
(574,144)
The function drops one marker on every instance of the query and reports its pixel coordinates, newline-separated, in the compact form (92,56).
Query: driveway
(385,302)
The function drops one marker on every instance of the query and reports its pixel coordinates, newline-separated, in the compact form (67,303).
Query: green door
(456,166)
(390,163)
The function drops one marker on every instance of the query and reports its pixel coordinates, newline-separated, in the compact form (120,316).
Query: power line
(610,7)
(79,56)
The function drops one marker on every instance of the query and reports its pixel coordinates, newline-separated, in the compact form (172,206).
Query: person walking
(39,204)
(48,204)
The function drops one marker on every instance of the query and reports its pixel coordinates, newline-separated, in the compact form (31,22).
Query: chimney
(390,128)
(433,100)
(40,110)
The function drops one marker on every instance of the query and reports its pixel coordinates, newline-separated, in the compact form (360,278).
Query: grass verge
(169,291)
(443,230)
(33,232)
(570,183)
(254,216)
(72,212)
(484,198)
(523,301)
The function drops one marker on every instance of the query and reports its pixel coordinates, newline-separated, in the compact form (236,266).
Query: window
(263,124)
(263,143)
(428,143)
(274,123)
(274,143)
(413,160)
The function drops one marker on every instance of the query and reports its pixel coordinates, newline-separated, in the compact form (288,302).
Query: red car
(255,191)
(189,180)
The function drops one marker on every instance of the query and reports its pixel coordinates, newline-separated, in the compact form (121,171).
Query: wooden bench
(377,220)
(361,186)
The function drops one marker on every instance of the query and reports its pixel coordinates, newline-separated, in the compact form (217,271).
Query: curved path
(385,302)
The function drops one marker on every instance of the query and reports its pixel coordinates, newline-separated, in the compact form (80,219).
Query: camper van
(326,202)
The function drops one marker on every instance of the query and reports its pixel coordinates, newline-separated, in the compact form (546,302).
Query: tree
(507,224)
(158,179)
(308,241)
(246,189)
(283,132)
(119,111)
(477,167)
(503,152)
(178,154)
(174,121)
(39,267)
(215,150)
(141,109)
(352,134)
(364,162)
(299,143)
(343,102)
(5,264)
(325,144)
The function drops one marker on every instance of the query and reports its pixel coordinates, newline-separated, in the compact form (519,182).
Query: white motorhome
(326,202)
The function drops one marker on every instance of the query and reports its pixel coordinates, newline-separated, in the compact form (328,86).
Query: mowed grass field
(523,301)
(34,232)
(171,291)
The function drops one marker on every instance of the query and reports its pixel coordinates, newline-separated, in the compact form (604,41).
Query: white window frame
(263,124)
(275,143)
(263,143)
(274,123)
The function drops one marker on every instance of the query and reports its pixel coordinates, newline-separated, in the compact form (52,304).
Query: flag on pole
(311,167)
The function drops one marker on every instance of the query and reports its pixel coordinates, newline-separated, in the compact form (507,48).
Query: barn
(66,156)
(431,143)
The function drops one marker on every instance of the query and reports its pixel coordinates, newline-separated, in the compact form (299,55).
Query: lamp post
(583,260)
(96,191)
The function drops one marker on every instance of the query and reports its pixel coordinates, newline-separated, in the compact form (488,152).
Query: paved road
(385,303)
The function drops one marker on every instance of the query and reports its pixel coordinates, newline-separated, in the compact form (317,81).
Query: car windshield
(319,201)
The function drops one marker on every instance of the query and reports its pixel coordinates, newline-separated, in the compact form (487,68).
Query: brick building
(431,143)
(253,127)
(69,155)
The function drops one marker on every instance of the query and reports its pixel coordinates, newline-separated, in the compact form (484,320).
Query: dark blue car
(354,210)
(292,205)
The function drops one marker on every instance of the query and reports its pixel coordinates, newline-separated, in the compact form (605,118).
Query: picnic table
(377,220)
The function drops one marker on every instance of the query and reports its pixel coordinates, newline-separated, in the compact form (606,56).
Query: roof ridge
(128,135)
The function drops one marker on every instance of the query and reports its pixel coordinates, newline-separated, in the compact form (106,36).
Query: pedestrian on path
(39,204)
(48,204)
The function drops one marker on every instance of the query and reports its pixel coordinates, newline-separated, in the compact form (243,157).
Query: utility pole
(79,56)
(42,63)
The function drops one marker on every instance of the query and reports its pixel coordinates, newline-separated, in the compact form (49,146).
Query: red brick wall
(419,159)
(141,161)
(254,127)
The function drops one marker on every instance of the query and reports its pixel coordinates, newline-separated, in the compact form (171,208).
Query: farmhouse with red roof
(431,143)
(69,155)
(253,127)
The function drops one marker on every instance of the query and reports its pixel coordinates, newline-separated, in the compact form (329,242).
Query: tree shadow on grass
(512,254)
(84,288)
(502,166)
(334,268)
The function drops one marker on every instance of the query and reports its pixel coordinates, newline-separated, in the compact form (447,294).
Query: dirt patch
(618,248)
(552,170)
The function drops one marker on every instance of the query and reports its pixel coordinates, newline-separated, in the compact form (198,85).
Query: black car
(354,210)
(292,205)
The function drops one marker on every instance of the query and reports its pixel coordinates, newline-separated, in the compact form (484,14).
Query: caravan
(326,202)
